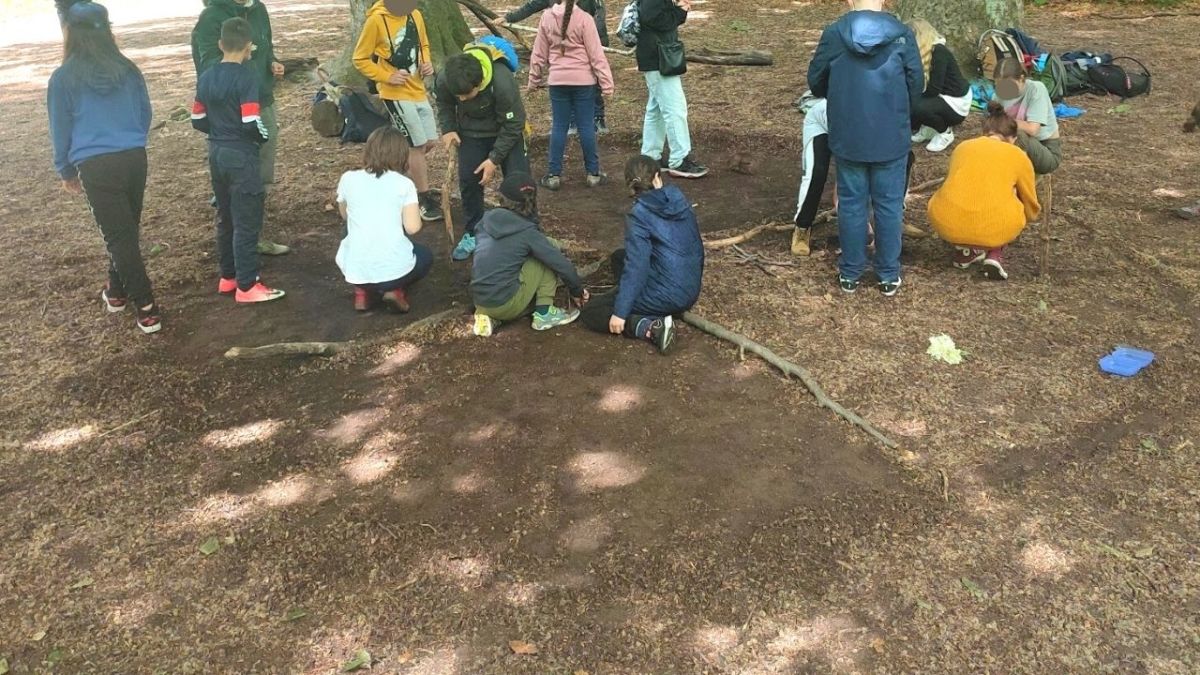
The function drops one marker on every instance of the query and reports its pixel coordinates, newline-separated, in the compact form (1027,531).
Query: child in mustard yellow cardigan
(393,52)
(988,197)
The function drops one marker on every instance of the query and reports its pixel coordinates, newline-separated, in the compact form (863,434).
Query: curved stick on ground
(790,369)
(715,244)
(287,349)
(926,185)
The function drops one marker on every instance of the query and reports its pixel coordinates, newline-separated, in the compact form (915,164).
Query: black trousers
(240,194)
(419,271)
(471,153)
(599,309)
(812,187)
(935,113)
(115,185)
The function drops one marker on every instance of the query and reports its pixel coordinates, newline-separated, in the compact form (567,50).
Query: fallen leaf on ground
(878,644)
(1144,552)
(405,656)
(38,636)
(975,589)
(294,614)
(523,648)
(362,659)
(157,249)
(3,666)
(329,206)
(1114,552)
(942,348)
(210,546)
(82,583)
(54,656)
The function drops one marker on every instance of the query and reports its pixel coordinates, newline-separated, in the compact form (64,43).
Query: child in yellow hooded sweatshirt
(393,52)
(988,197)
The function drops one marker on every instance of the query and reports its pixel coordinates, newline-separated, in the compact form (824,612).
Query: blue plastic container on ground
(1126,361)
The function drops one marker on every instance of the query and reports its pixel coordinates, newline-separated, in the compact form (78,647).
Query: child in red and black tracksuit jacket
(227,109)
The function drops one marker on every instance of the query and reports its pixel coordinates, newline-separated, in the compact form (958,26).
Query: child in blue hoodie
(99,120)
(868,67)
(659,272)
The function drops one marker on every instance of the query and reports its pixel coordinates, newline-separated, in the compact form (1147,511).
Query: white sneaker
(923,134)
(484,325)
(941,141)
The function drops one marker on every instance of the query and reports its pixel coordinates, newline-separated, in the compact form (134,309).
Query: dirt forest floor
(431,497)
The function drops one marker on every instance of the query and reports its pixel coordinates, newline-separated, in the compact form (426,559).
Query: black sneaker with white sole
(431,210)
(662,333)
(848,285)
(889,288)
(689,168)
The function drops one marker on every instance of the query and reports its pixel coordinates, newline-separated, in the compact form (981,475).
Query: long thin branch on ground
(1155,15)
(926,186)
(823,217)
(790,369)
(128,424)
(287,349)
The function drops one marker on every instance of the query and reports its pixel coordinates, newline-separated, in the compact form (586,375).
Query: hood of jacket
(232,5)
(484,55)
(501,223)
(668,202)
(866,32)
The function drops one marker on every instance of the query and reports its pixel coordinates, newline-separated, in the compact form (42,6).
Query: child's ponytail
(998,122)
(566,23)
(640,172)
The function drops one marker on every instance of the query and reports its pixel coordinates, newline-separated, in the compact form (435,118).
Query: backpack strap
(1140,64)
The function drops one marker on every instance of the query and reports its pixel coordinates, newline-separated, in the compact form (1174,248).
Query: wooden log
(714,57)
(791,369)
(287,349)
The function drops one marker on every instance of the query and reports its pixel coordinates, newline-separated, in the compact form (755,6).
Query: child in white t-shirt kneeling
(381,209)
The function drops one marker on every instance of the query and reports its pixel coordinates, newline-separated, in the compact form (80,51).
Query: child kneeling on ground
(988,197)
(516,265)
(382,209)
(660,270)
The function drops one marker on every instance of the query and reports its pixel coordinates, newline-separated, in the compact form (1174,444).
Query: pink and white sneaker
(965,257)
(113,303)
(993,265)
(258,293)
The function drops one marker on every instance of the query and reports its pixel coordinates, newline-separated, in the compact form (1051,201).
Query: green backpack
(1054,76)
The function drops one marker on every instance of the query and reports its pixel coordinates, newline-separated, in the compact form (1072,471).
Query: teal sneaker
(466,246)
(554,318)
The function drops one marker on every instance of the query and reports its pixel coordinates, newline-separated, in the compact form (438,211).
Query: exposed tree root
(790,369)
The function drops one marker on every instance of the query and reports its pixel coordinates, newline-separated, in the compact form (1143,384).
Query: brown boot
(801,241)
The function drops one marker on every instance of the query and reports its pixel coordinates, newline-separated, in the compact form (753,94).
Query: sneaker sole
(967,265)
(668,338)
(994,272)
(687,174)
(259,302)
(148,330)
(432,219)
(110,308)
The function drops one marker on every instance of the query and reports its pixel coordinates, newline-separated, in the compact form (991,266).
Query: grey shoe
(551,183)
(597,180)
(271,248)
(1189,212)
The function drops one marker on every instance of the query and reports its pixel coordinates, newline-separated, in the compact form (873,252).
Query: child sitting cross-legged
(988,197)
(382,210)
(517,266)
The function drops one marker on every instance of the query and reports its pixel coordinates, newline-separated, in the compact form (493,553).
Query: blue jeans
(238,186)
(864,187)
(578,102)
(666,119)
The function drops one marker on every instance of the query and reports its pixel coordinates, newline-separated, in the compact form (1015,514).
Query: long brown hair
(640,172)
(387,150)
(999,122)
(566,24)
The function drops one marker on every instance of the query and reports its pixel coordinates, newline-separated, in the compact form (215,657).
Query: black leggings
(935,113)
(115,185)
(812,187)
(599,310)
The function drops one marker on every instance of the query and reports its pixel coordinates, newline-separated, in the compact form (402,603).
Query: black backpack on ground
(1118,81)
(361,117)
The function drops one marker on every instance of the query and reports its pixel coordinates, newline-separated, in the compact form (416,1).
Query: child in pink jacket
(567,56)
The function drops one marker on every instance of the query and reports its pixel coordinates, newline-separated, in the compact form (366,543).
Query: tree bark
(963,21)
(448,32)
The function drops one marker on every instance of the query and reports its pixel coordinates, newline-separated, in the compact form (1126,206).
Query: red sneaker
(113,303)
(993,265)
(965,257)
(149,320)
(227,286)
(397,300)
(258,293)
(362,299)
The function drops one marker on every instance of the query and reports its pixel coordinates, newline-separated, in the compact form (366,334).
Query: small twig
(1153,586)
(789,368)
(127,424)
(287,349)
(431,528)
(926,185)
(1156,15)
(945,486)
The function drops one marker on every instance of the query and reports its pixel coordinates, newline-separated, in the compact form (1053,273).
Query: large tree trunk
(962,22)
(448,32)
